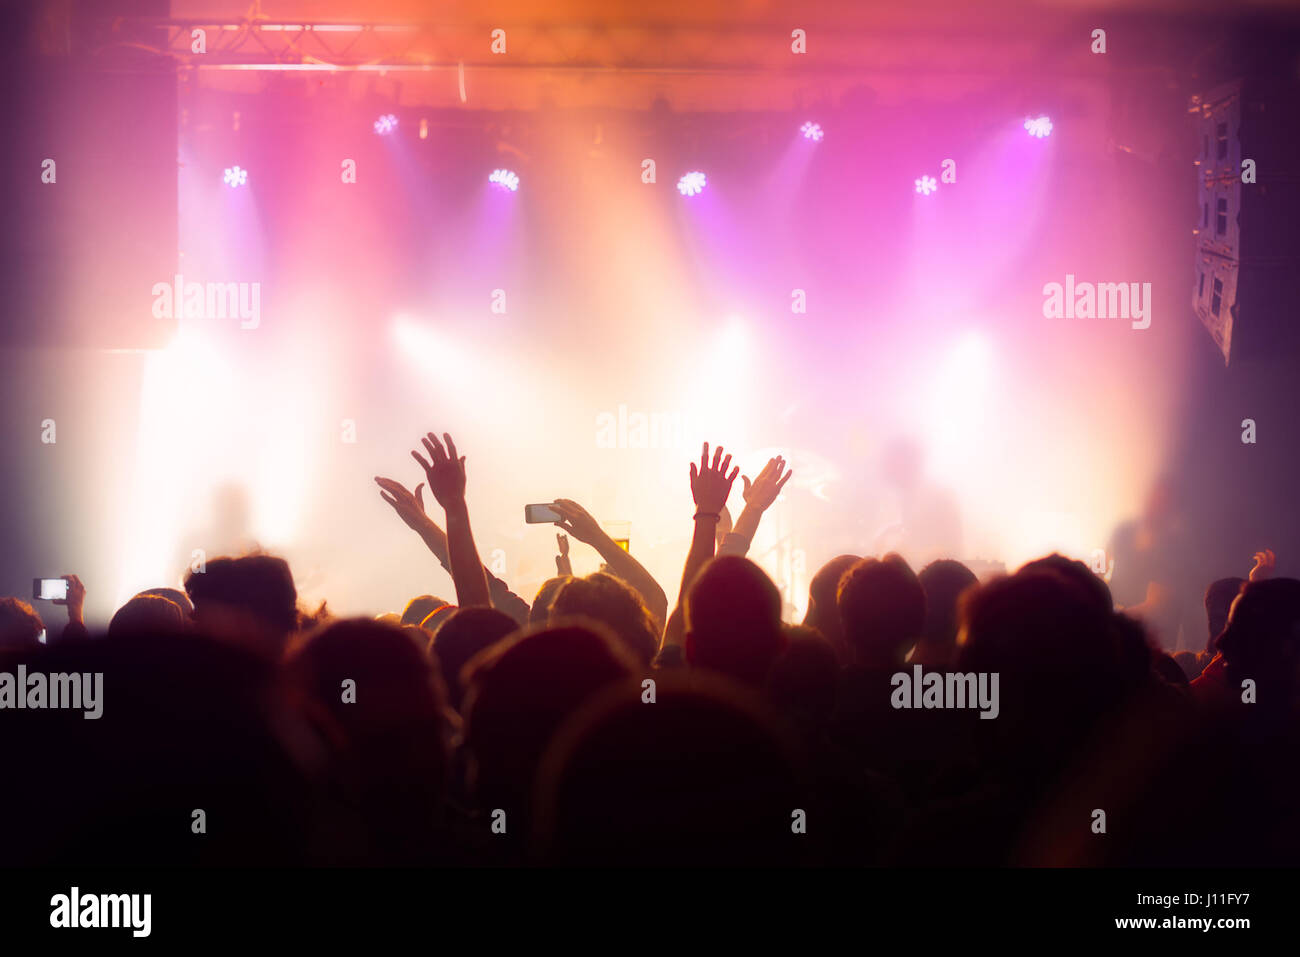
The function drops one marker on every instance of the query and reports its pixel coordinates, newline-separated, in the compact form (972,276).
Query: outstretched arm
(710,487)
(759,496)
(410,509)
(76,603)
(579,523)
(445,472)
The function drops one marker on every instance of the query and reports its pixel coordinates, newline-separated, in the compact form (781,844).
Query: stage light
(386,124)
(424,129)
(812,131)
(235,176)
(692,183)
(721,386)
(733,340)
(505,179)
(960,402)
(1039,126)
(926,185)
(434,351)
(969,363)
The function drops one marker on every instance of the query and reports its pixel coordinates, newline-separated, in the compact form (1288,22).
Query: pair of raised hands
(711,483)
(444,471)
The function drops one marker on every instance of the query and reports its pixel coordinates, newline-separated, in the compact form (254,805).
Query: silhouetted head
(606,599)
(1262,640)
(1078,572)
(175,595)
(943,581)
(148,615)
(1218,602)
(1038,622)
(180,718)
(1138,654)
(20,625)
(704,776)
(381,704)
(733,620)
(435,621)
(465,633)
(420,608)
(541,608)
(519,691)
(250,601)
(882,609)
(801,681)
(1057,656)
(823,594)
(372,678)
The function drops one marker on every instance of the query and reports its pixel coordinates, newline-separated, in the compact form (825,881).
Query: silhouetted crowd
(913,717)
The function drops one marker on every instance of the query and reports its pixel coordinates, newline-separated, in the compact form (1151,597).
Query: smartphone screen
(540,514)
(50,589)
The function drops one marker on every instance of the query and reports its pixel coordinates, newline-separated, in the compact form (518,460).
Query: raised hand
(578,522)
(762,492)
(76,600)
(1265,562)
(711,487)
(759,496)
(562,564)
(710,484)
(409,507)
(444,471)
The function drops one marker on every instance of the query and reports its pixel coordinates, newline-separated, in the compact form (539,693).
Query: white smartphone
(540,514)
(50,589)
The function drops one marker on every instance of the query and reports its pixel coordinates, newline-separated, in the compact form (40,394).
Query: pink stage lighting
(926,185)
(812,131)
(235,176)
(692,183)
(505,179)
(386,124)
(1039,127)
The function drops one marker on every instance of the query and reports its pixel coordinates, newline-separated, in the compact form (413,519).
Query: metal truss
(259,44)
